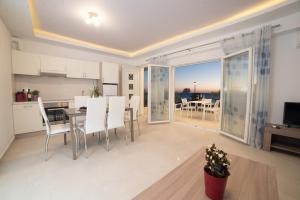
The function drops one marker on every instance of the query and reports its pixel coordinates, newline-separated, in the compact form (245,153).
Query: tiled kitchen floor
(124,171)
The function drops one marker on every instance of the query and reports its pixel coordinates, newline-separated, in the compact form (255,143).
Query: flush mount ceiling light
(92,18)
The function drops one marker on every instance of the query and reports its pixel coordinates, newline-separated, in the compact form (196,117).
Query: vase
(35,97)
(214,187)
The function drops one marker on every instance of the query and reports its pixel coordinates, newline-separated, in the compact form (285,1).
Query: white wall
(54,88)
(6,118)
(285,73)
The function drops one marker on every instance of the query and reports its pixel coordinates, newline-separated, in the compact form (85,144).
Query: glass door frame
(249,97)
(171,74)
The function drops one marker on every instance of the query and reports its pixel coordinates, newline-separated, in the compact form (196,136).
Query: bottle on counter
(29,95)
(24,95)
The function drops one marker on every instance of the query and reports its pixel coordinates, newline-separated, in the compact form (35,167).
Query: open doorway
(197,94)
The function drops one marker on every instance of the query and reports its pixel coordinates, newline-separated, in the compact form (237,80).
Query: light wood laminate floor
(126,170)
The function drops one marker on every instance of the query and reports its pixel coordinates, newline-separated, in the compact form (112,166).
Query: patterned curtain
(260,41)
(261,79)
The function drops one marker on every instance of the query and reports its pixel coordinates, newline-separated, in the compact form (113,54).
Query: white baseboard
(7,146)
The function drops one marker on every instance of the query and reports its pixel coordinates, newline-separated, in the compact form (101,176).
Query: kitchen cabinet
(27,118)
(92,70)
(110,72)
(26,63)
(53,65)
(82,69)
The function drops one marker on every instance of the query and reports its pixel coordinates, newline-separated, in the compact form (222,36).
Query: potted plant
(95,92)
(216,172)
(35,95)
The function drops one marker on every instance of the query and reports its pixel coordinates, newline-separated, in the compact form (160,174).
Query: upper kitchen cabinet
(110,72)
(92,70)
(83,69)
(53,65)
(26,63)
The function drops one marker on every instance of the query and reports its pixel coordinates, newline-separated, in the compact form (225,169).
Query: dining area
(202,106)
(203,112)
(96,118)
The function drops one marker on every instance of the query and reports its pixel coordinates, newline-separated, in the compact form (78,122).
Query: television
(291,115)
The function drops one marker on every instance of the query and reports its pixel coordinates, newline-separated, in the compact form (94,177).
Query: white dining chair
(95,118)
(80,101)
(188,106)
(52,130)
(215,109)
(134,103)
(115,116)
(206,104)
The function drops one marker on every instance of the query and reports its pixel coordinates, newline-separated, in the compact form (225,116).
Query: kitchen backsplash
(54,88)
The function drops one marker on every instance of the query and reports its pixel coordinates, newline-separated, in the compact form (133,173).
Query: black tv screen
(291,116)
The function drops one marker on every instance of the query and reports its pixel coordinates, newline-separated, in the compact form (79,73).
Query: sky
(206,75)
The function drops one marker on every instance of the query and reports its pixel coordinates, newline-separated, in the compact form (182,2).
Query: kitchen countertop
(44,101)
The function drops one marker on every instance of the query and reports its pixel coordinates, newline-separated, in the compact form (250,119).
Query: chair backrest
(184,101)
(44,115)
(217,104)
(134,103)
(95,115)
(80,101)
(207,100)
(116,110)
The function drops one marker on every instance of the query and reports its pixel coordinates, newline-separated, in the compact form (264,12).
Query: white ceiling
(128,25)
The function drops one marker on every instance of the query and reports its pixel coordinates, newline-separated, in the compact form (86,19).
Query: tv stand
(283,132)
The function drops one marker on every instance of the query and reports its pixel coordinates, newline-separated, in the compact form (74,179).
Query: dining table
(75,112)
(203,102)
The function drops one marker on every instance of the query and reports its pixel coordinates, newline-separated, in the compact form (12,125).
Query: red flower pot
(214,187)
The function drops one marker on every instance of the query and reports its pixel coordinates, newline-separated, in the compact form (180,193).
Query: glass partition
(158,94)
(236,86)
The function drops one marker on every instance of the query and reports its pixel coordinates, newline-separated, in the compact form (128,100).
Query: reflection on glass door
(236,87)
(158,93)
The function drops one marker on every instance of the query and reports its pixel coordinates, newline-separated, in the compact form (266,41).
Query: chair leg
(46,146)
(85,146)
(107,140)
(138,124)
(99,137)
(116,133)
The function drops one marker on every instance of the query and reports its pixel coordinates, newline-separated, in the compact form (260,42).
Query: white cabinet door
(26,63)
(83,69)
(92,70)
(51,64)
(110,72)
(75,68)
(27,118)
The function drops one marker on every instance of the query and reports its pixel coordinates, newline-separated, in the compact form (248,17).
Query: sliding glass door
(235,97)
(159,93)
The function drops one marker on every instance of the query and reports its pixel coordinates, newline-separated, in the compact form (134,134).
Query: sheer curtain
(260,41)
(160,90)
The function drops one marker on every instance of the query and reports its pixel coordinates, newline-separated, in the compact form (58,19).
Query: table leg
(73,141)
(65,135)
(65,139)
(131,125)
(203,114)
